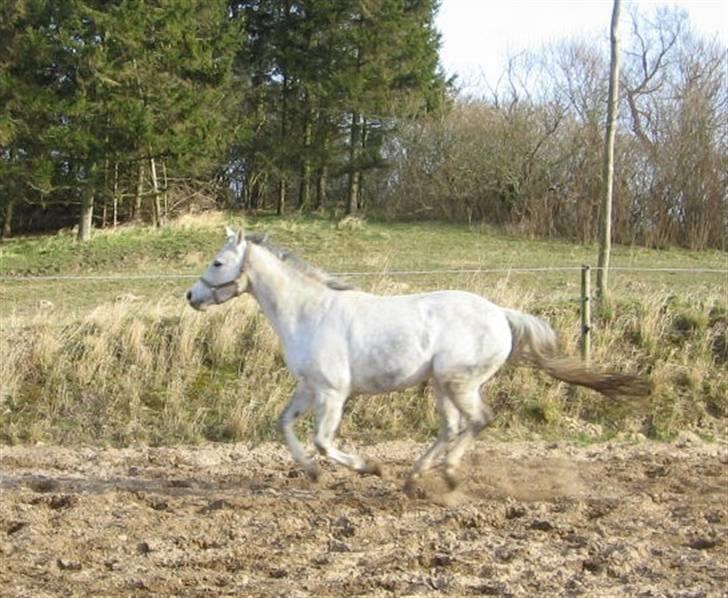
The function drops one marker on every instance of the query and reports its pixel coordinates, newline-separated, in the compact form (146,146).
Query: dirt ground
(534,518)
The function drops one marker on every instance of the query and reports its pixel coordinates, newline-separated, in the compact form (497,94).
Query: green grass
(122,361)
(376,248)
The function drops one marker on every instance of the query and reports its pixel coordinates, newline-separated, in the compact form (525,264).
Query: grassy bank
(116,362)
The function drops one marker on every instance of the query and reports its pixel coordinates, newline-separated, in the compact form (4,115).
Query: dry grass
(127,361)
(158,373)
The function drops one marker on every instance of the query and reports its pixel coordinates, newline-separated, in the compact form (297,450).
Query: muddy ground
(533,518)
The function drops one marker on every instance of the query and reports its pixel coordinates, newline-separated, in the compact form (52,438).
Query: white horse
(338,341)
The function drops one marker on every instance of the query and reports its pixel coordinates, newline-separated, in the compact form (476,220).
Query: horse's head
(224,278)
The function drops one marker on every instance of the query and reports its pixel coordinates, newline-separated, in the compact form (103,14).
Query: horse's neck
(285,297)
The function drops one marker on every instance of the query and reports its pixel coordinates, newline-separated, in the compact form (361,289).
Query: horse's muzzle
(195,303)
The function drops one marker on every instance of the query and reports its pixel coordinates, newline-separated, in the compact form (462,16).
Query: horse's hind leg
(299,404)
(329,409)
(466,397)
(449,427)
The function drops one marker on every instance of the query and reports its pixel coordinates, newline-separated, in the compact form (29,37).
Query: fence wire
(366,274)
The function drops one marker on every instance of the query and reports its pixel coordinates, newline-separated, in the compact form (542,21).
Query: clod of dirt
(56,502)
(278,573)
(343,528)
(657,471)
(593,565)
(575,540)
(338,546)
(700,543)
(441,560)
(179,484)
(62,501)
(438,583)
(505,554)
(515,511)
(158,504)
(321,560)
(43,484)
(65,565)
(493,589)
(143,548)
(541,525)
(713,517)
(216,505)
(687,438)
(599,508)
(15,526)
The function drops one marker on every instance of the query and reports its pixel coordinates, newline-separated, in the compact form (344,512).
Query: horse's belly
(385,372)
(388,381)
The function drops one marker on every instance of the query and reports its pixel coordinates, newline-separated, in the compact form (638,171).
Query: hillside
(106,351)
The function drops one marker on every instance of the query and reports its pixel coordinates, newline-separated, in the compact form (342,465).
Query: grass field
(120,358)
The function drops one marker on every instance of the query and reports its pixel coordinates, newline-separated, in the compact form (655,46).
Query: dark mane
(297,263)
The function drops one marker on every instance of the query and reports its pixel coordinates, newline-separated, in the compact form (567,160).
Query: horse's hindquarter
(396,342)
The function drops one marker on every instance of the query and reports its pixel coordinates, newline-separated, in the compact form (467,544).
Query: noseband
(216,288)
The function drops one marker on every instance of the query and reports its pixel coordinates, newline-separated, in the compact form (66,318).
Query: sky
(477,35)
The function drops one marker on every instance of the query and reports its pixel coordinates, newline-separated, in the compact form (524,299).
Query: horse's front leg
(299,405)
(329,407)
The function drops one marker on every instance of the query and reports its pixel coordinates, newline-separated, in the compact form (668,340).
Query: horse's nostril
(189,295)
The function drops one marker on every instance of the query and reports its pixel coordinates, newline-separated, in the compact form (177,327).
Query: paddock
(531,518)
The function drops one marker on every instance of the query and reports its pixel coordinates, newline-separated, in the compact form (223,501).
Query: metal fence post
(586,314)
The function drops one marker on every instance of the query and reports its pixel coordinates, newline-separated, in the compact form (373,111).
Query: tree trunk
(304,190)
(254,188)
(105,204)
(165,193)
(87,207)
(352,204)
(7,229)
(321,188)
(281,203)
(283,165)
(360,205)
(254,175)
(156,204)
(605,232)
(115,197)
(137,215)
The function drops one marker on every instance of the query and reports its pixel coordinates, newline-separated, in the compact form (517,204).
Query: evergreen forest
(138,110)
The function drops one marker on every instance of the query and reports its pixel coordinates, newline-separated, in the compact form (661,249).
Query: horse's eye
(217,263)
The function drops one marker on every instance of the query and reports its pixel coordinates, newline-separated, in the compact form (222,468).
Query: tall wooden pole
(605,228)
(585,314)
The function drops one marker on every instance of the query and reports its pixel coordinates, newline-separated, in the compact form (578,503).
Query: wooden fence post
(585,314)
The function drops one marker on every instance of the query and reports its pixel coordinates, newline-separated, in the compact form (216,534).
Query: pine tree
(391,68)
(328,78)
(135,84)
(12,16)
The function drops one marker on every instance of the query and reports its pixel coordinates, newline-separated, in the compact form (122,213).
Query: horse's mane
(297,263)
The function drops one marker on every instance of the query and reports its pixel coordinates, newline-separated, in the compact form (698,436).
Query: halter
(215,288)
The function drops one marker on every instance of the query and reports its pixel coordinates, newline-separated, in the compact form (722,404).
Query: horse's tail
(535,344)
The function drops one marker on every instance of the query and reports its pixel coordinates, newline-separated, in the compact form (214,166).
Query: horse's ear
(229,232)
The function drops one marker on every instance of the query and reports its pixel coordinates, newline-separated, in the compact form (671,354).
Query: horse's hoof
(451,479)
(412,489)
(372,468)
(313,473)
